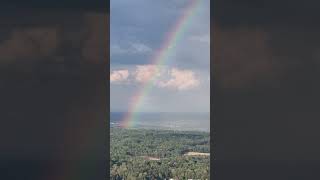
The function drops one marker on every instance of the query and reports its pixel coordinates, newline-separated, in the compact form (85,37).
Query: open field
(196,154)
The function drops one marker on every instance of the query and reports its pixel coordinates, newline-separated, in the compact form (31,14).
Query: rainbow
(159,58)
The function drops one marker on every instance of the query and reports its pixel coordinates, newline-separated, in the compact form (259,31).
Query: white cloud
(119,75)
(162,77)
(180,79)
(144,73)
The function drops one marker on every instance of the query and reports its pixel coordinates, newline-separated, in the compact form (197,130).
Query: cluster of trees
(130,149)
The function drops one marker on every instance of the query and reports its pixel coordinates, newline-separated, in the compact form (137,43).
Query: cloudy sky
(138,29)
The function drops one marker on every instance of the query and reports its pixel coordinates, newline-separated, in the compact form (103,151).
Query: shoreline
(162,129)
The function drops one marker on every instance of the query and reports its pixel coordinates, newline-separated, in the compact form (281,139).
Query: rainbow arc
(159,59)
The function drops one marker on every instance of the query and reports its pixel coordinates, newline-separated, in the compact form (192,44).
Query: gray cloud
(133,48)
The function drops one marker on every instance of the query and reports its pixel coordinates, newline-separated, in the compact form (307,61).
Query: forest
(159,154)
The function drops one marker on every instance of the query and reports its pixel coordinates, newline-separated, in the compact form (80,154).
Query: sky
(137,31)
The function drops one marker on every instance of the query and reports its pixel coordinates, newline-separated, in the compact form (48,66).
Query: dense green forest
(159,154)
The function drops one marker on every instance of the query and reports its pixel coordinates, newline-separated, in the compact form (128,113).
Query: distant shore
(161,129)
(166,121)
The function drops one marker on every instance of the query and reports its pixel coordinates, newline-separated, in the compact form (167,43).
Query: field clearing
(196,154)
(151,158)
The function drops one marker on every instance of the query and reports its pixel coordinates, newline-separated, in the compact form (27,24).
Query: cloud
(143,73)
(116,49)
(164,77)
(180,79)
(131,25)
(134,48)
(170,92)
(139,48)
(119,75)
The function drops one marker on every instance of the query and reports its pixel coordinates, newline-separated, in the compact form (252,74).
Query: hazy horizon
(191,121)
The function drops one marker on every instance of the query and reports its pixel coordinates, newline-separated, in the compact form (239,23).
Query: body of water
(170,121)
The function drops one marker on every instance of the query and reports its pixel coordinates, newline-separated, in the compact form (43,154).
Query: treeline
(130,147)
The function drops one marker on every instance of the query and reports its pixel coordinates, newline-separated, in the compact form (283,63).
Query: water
(172,121)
